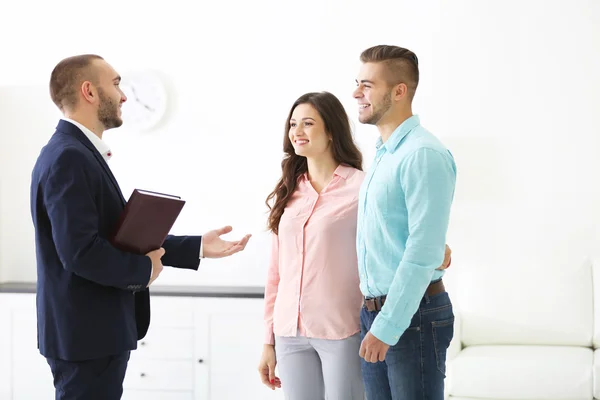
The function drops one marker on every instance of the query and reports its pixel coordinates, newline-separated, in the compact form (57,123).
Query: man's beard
(108,112)
(378,113)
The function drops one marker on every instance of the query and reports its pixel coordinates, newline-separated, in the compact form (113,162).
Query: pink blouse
(312,282)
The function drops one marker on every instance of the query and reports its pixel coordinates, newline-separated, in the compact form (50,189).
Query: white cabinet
(28,372)
(235,345)
(197,348)
(164,362)
(5,351)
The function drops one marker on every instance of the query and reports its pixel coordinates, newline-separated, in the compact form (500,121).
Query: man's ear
(88,91)
(400,91)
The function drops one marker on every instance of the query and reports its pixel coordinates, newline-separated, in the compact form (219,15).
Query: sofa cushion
(596,285)
(541,305)
(478,398)
(522,372)
(596,373)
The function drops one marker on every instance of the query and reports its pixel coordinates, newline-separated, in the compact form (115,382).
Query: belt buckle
(373,304)
(378,303)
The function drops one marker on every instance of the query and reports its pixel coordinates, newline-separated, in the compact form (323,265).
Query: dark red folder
(146,221)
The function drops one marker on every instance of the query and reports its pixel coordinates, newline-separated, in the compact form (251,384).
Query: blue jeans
(415,367)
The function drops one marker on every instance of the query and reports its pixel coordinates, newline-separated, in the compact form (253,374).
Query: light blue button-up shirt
(403,214)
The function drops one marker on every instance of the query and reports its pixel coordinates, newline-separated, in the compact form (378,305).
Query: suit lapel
(75,132)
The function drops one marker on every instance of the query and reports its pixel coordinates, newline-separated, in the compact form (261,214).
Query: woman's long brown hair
(345,151)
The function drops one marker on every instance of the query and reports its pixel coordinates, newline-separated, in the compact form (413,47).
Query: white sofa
(526,333)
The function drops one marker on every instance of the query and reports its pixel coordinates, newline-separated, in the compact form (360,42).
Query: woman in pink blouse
(312,296)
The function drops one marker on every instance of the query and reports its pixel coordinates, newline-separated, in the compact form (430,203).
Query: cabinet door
(201,355)
(5,348)
(31,376)
(164,366)
(156,395)
(236,341)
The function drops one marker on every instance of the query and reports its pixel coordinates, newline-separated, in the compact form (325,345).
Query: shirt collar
(399,133)
(342,171)
(98,143)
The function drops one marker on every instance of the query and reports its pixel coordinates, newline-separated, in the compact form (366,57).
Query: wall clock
(146,103)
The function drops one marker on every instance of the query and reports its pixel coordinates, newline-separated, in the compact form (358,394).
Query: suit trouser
(317,369)
(97,379)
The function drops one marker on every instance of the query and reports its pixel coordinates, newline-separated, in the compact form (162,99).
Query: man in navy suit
(93,301)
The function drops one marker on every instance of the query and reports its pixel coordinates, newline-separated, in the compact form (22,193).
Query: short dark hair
(67,75)
(402,65)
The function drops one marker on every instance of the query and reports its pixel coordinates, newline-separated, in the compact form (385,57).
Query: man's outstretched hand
(215,247)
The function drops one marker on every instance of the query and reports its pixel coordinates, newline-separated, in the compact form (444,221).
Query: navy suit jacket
(92,299)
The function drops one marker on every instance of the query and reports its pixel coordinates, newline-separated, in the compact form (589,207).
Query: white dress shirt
(98,143)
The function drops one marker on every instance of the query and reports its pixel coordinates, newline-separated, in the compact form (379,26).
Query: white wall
(25,118)
(511,87)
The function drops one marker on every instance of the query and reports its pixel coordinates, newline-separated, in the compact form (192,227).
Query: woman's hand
(266,367)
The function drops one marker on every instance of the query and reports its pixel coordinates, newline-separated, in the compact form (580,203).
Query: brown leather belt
(375,304)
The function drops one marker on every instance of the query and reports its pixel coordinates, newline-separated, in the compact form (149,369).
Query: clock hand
(138,100)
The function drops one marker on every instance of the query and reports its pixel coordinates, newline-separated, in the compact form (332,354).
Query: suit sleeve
(69,200)
(182,252)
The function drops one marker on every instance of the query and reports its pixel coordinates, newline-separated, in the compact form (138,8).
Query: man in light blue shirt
(404,208)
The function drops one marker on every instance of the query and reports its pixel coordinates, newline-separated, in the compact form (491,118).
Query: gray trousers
(319,369)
